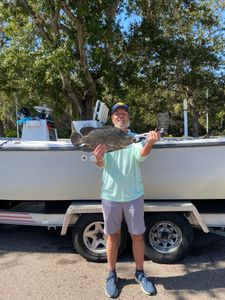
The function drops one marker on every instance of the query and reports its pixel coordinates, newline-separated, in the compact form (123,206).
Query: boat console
(39,128)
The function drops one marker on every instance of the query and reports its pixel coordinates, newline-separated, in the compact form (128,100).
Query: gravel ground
(39,264)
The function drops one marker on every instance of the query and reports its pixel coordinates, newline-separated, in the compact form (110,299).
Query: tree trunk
(87,103)
(2,131)
(195,124)
(83,103)
(87,111)
(84,106)
(193,112)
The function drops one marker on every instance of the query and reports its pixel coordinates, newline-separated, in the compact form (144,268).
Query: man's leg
(112,245)
(134,214)
(112,213)
(138,251)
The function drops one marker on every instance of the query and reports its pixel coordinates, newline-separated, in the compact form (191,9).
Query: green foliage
(68,54)
(11,133)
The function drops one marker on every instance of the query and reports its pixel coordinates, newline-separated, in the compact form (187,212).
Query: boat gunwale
(165,143)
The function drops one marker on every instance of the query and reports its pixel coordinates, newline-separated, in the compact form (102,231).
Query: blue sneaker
(111,288)
(146,285)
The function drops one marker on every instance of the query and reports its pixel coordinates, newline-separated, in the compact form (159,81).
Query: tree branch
(68,91)
(112,13)
(113,9)
(24,4)
(54,16)
(80,35)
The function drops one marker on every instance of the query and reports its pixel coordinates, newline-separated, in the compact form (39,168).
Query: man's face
(121,119)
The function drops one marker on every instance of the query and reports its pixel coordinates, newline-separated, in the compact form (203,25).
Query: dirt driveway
(40,264)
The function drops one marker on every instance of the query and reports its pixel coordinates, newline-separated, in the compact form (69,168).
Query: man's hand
(152,137)
(99,152)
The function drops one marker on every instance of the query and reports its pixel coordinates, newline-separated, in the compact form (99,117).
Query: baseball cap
(120,105)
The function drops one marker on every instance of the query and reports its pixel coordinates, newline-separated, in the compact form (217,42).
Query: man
(122,194)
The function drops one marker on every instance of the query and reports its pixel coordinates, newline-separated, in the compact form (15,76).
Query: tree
(68,54)
(71,46)
(180,45)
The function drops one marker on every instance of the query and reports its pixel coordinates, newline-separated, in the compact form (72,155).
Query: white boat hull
(190,172)
(52,171)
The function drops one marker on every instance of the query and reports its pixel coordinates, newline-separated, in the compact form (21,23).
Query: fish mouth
(75,137)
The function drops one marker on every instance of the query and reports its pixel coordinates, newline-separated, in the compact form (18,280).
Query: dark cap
(120,105)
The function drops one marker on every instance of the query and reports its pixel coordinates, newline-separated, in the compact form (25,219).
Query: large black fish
(113,137)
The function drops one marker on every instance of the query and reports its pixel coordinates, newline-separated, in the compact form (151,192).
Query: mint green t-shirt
(121,178)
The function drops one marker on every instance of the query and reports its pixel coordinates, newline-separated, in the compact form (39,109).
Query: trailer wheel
(168,237)
(89,239)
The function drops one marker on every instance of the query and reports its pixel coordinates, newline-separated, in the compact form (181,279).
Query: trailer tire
(168,237)
(89,239)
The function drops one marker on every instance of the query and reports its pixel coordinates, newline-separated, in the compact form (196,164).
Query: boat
(55,170)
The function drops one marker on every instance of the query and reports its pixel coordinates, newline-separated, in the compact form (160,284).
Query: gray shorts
(133,211)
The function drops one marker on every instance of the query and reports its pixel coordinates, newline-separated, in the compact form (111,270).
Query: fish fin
(86,130)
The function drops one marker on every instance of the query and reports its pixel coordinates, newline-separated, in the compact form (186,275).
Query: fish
(114,138)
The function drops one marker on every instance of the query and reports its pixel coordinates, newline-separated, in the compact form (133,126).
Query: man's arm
(152,137)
